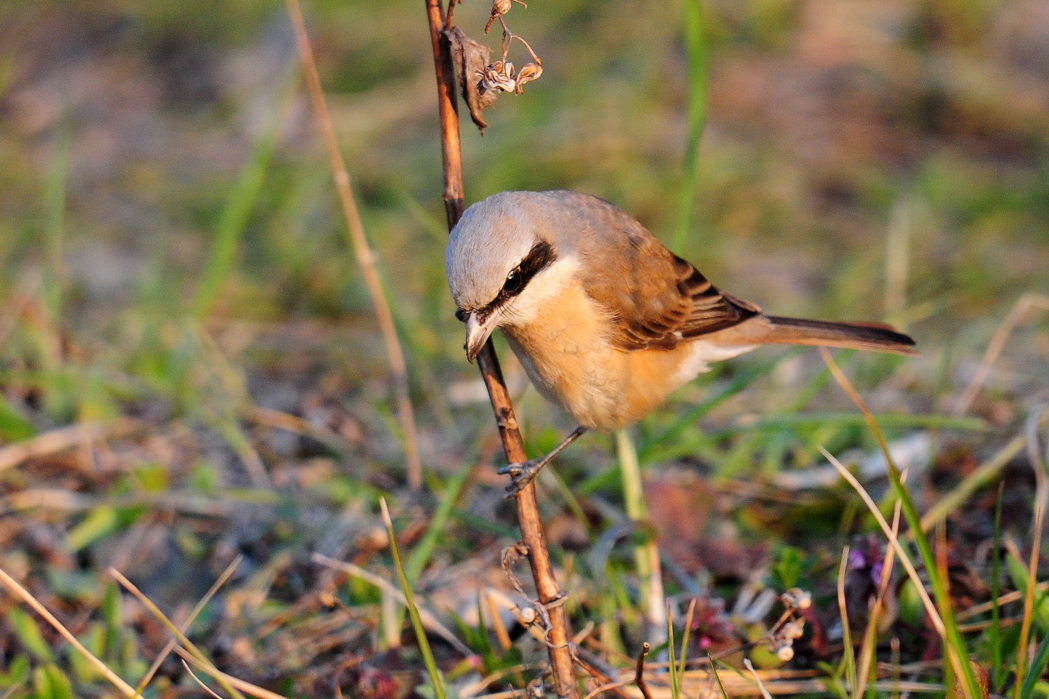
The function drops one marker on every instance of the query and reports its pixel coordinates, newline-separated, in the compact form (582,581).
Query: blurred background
(175,275)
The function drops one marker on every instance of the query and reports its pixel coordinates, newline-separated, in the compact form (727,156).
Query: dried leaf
(471,60)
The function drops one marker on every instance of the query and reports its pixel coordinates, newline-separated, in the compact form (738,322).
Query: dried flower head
(498,76)
(793,630)
(796,598)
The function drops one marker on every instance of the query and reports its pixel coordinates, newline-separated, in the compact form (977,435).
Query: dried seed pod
(499,8)
(529,72)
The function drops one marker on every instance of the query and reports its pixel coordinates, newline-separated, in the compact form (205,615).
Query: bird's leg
(523,474)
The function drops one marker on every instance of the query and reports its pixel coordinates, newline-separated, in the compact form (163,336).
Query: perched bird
(606,321)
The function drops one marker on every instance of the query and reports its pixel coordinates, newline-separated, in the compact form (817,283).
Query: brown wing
(657,298)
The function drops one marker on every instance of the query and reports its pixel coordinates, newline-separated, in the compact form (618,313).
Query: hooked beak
(478,331)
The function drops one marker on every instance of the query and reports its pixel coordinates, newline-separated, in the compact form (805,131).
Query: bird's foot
(522,474)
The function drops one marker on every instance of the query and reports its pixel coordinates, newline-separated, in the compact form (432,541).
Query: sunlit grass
(231,293)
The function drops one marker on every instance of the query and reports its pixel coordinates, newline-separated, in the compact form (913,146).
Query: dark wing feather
(657,298)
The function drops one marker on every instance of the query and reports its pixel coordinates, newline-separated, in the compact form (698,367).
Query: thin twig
(639,672)
(361,249)
(1014,596)
(529,520)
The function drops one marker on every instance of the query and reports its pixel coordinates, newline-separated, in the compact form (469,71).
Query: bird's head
(497,257)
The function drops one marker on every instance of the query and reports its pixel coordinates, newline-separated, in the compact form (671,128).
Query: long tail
(866,336)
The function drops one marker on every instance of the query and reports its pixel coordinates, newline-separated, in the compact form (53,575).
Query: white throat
(539,297)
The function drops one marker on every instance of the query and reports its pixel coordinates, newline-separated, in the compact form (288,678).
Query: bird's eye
(460,315)
(514,281)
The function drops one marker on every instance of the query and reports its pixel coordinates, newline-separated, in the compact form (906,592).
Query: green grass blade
(675,687)
(685,637)
(737,384)
(422,551)
(646,555)
(717,677)
(54,226)
(413,610)
(234,220)
(696,56)
(1041,659)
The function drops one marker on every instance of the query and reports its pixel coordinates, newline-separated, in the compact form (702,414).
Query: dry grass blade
(222,678)
(1002,600)
(698,684)
(428,619)
(296,425)
(894,541)
(689,616)
(22,593)
(870,636)
(200,682)
(14,688)
(170,645)
(196,653)
(957,651)
(1026,303)
(846,630)
(761,685)
(60,440)
(225,503)
(361,249)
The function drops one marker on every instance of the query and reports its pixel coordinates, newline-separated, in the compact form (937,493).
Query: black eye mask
(540,257)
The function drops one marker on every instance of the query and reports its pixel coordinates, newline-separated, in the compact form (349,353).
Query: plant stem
(646,555)
(532,534)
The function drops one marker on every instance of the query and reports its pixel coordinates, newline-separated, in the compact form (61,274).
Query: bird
(606,321)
